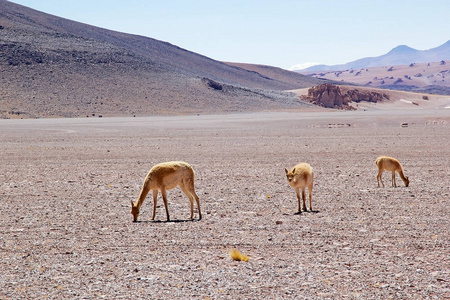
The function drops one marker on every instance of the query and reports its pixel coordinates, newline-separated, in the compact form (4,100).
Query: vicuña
(390,164)
(300,177)
(166,176)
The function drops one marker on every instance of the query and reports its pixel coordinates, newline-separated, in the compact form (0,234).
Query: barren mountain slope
(51,66)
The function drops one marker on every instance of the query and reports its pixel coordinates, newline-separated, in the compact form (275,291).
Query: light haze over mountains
(400,55)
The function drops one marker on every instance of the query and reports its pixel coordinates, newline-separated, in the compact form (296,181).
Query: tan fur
(166,176)
(390,164)
(301,177)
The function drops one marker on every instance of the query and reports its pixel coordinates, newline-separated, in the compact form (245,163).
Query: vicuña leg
(188,188)
(394,184)
(379,177)
(191,191)
(297,192)
(190,197)
(304,198)
(164,196)
(198,205)
(155,202)
(310,188)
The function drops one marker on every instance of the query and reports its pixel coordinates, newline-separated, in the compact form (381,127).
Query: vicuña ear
(132,204)
(293,170)
(286,170)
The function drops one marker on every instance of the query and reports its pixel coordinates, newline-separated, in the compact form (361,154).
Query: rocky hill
(433,78)
(52,66)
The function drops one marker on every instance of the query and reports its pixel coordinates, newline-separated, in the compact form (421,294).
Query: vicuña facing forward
(300,177)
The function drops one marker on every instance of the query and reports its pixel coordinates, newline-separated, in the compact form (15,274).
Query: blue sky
(278,33)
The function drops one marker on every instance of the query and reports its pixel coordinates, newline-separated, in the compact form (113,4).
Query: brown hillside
(51,66)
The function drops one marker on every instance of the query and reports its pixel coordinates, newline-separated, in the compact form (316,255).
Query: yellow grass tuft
(236,255)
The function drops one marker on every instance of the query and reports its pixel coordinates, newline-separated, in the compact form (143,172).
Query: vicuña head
(300,177)
(390,164)
(166,176)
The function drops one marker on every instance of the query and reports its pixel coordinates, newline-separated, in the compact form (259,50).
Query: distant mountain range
(400,55)
(56,67)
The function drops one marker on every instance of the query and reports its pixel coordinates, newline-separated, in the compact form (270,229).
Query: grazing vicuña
(300,177)
(390,164)
(166,176)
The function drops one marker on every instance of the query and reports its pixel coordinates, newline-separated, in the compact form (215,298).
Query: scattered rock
(212,84)
(330,96)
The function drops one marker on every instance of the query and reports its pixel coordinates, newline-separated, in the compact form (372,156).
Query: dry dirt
(67,231)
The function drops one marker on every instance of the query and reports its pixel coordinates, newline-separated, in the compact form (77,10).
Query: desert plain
(67,232)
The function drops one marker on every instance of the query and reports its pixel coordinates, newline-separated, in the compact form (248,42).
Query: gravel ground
(67,232)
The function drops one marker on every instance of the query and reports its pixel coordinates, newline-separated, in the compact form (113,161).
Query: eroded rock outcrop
(331,96)
(326,95)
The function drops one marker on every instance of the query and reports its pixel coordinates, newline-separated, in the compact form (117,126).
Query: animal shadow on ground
(171,221)
(307,211)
